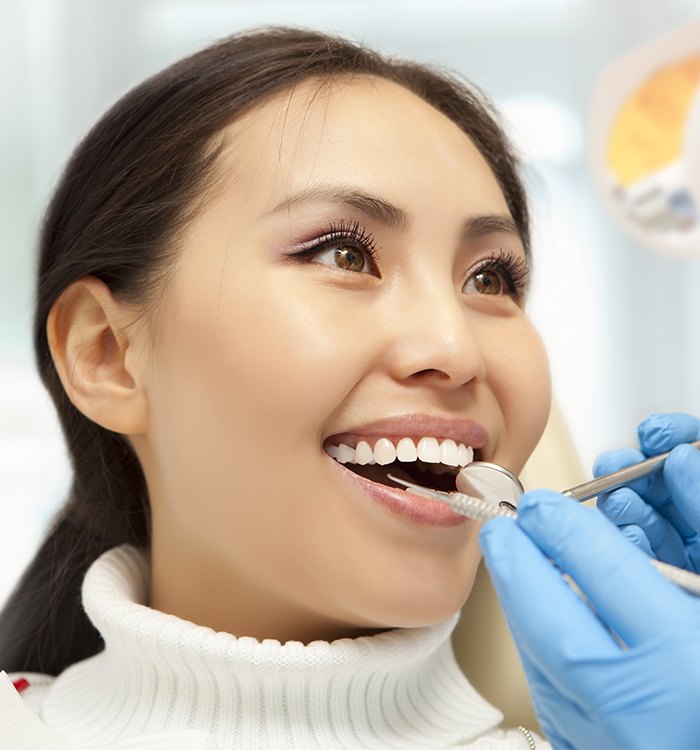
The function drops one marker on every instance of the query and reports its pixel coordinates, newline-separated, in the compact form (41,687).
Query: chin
(418,610)
(423,618)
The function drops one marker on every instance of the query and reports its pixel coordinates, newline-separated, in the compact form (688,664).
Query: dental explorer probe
(481,510)
(484,479)
(609,482)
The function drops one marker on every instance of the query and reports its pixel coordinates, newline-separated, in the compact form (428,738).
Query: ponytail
(43,627)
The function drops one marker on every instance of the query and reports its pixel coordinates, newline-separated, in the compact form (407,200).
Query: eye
(487,281)
(346,257)
(502,274)
(347,247)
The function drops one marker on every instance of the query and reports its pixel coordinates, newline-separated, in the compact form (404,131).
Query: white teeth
(449,453)
(442,457)
(384,452)
(429,450)
(406,450)
(345,454)
(363,453)
(466,454)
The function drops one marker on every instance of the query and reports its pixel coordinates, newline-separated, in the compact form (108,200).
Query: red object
(20,684)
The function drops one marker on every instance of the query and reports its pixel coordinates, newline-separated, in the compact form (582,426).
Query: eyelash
(343,233)
(512,268)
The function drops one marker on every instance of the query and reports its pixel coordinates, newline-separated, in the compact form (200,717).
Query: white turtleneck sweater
(163,683)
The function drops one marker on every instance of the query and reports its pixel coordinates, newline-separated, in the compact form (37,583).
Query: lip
(421,511)
(416,425)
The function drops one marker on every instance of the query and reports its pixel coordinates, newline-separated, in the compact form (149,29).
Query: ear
(96,356)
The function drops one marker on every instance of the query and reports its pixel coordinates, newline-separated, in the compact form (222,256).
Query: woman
(271,275)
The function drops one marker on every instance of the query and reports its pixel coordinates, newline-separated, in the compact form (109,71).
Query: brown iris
(488,282)
(349,259)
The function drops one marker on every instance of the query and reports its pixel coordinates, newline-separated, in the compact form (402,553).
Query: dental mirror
(490,482)
(494,484)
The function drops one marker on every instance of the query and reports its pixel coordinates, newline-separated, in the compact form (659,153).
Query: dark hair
(135,180)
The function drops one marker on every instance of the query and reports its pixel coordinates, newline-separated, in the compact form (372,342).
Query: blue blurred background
(619,321)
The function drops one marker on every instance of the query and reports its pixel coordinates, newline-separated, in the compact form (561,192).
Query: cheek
(521,383)
(288,356)
(261,363)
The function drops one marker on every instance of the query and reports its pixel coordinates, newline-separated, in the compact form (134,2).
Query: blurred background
(618,319)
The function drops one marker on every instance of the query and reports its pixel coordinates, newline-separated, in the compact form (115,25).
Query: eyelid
(350,233)
(513,268)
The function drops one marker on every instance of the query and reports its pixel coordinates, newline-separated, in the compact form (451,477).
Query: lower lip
(421,511)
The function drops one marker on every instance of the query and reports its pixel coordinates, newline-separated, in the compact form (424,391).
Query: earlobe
(89,338)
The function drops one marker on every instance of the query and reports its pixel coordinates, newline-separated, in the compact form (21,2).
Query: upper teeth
(385,452)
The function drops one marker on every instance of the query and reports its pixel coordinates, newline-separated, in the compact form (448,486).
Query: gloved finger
(674,495)
(548,619)
(678,503)
(652,488)
(636,536)
(659,433)
(561,642)
(682,476)
(624,507)
(628,594)
(610,461)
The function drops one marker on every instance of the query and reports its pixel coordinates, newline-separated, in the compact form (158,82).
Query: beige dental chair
(482,643)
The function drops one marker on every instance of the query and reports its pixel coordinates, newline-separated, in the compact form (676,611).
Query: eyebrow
(390,215)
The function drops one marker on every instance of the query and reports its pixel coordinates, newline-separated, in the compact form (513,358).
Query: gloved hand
(590,691)
(660,513)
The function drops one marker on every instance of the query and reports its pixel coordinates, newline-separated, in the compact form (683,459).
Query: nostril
(431,373)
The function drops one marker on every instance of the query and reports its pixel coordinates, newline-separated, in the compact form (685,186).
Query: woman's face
(355,278)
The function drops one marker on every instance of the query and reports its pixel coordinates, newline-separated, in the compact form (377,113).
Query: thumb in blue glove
(624,676)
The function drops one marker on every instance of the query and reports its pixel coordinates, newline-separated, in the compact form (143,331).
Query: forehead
(356,129)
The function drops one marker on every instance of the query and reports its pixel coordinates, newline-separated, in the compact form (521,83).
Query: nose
(434,338)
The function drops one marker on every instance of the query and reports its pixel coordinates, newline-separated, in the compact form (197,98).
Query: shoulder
(32,686)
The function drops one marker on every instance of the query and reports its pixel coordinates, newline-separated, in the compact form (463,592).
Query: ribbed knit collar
(161,675)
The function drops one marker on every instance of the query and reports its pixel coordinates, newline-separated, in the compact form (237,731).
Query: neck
(161,673)
(181,586)
(282,625)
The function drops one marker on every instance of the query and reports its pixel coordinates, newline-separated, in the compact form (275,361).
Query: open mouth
(429,461)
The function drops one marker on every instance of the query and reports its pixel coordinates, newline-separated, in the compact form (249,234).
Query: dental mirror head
(490,482)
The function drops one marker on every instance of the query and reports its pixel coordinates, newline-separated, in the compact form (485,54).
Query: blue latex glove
(660,514)
(589,691)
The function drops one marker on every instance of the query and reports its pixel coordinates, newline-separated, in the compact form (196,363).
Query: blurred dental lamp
(644,145)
